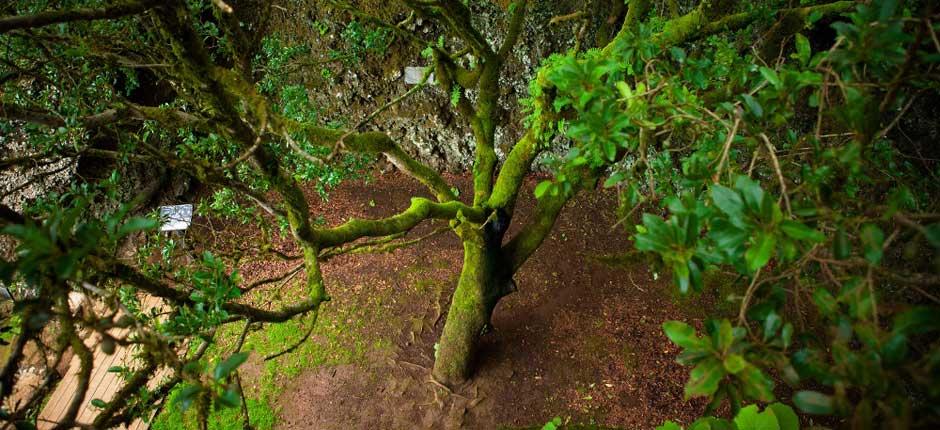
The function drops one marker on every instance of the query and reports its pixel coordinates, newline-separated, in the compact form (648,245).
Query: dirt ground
(581,339)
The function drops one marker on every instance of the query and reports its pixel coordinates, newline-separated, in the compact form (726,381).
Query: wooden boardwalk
(102,384)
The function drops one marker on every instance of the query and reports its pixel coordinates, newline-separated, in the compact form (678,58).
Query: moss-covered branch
(707,20)
(515,28)
(636,10)
(381,143)
(421,209)
(457,16)
(181,297)
(513,172)
(116,10)
(168,117)
(697,24)
(224,92)
(523,244)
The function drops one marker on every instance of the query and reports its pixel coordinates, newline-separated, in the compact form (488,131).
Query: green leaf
(610,150)
(771,324)
(668,425)
(932,233)
(98,403)
(755,384)
(727,237)
(727,200)
(786,335)
(760,251)
(803,50)
(681,334)
(749,419)
(751,191)
(624,89)
(813,402)
(230,399)
(553,424)
(734,363)
(542,188)
(188,395)
(825,302)
(800,231)
(841,248)
(655,236)
(786,418)
(752,105)
(771,76)
(224,368)
(894,349)
(873,240)
(137,224)
(678,54)
(723,335)
(704,378)
(919,320)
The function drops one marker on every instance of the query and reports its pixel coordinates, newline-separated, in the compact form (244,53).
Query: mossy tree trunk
(484,279)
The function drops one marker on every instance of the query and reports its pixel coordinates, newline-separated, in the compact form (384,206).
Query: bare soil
(581,339)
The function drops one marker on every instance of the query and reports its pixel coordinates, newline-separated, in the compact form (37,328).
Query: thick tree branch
(513,172)
(380,143)
(421,209)
(180,297)
(524,243)
(116,10)
(167,117)
(515,29)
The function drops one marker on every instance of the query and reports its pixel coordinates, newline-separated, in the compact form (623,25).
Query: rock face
(425,125)
(22,184)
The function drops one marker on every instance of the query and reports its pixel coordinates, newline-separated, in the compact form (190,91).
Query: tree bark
(486,277)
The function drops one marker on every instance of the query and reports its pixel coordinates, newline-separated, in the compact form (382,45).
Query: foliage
(790,173)
(793,177)
(776,416)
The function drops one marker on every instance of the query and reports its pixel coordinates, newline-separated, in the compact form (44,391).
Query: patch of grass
(340,337)
(172,418)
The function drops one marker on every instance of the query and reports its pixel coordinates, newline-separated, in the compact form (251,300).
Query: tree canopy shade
(782,163)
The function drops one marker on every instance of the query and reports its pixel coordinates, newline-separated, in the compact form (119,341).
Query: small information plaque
(175,218)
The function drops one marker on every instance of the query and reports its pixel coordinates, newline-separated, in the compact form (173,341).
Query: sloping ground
(580,339)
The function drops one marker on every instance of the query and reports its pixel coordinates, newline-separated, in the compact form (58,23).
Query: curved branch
(513,172)
(515,28)
(381,143)
(524,243)
(420,210)
(162,290)
(116,10)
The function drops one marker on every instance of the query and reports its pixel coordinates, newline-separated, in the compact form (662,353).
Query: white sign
(413,75)
(176,217)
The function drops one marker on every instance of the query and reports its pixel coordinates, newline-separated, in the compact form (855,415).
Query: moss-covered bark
(484,280)
(466,318)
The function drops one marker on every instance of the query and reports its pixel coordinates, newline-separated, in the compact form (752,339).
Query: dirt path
(580,339)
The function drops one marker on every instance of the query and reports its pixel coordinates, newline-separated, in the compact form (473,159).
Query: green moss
(172,418)
(341,337)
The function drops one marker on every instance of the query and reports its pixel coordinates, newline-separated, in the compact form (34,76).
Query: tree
(67,72)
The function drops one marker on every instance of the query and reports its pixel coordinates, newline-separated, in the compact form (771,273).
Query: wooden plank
(102,384)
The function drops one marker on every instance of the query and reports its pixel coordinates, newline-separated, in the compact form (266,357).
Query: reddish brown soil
(580,339)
